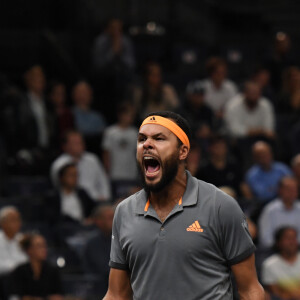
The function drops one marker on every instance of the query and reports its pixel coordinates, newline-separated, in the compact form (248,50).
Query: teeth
(148,157)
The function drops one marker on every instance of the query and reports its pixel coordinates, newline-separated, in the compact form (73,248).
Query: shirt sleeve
(267,274)
(236,241)
(117,257)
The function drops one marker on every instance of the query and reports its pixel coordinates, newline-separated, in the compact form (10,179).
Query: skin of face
(38,248)
(160,143)
(288,243)
(74,145)
(288,191)
(69,179)
(12,223)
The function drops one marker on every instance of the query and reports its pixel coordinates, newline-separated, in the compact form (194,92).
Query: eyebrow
(153,136)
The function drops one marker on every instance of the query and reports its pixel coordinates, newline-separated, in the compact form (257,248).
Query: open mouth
(152,165)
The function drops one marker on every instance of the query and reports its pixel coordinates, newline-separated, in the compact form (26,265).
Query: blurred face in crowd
(296,166)
(262,154)
(288,243)
(74,145)
(218,149)
(154,77)
(252,94)
(288,191)
(219,74)
(82,95)
(58,94)
(11,223)
(196,99)
(262,78)
(105,220)
(115,28)
(282,43)
(126,117)
(38,248)
(69,178)
(293,79)
(193,160)
(35,80)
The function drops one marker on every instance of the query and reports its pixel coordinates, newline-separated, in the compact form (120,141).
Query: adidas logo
(195,227)
(152,119)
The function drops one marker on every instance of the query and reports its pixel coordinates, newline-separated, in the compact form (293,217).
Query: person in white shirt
(249,114)
(281,271)
(92,175)
(11,254)
(119,147)
(280,212)
(218,89)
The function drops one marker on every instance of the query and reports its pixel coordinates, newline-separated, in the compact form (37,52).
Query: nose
(147,144)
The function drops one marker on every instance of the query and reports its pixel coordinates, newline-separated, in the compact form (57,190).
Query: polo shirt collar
(190,196)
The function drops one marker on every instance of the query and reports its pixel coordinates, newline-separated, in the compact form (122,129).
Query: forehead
(153,129)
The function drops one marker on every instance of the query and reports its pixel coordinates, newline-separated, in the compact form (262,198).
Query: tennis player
(179,238)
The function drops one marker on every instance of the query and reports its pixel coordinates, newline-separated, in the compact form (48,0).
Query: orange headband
(172,126)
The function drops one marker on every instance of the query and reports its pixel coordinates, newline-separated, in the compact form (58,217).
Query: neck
(123,125)
(9,235)
(289,257)
(83,107)
(288,205)
(37,93)
(171,194)
(36,266)
(68,190)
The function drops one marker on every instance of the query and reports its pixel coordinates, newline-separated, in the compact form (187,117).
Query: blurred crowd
(67,157)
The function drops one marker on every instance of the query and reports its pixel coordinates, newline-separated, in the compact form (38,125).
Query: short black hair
(178,119)
(64,168)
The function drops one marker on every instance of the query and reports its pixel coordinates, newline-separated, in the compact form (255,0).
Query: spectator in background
(36,122)
(113,63)
(285,210)
(289,101)
(261,77)
(220,169)
(69,202)
(193,161)
(113,50)
(218,89)
(36,279)
(249,115)
(88,122)
(64,119)
(199,115)
(281,271)
(97,250)
(11,254)
(154,95)
(92,176)
(119,148)
(295,165)
(263,177)
(281,58)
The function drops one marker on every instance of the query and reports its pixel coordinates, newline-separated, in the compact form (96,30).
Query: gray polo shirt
(188,256)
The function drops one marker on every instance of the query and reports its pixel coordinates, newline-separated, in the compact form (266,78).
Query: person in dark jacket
(36,279)
(69,202)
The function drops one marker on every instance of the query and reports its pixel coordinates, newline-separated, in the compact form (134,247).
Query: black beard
(169,171)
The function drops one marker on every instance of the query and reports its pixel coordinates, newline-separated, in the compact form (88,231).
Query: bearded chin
(169,171)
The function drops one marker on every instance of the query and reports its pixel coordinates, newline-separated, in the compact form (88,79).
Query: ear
(183,152)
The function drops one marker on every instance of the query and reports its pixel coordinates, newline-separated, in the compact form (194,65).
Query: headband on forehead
(169,124)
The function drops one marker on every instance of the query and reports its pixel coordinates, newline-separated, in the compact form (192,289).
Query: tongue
(152,169)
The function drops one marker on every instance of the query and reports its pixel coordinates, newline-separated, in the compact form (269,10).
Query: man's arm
(245,275)
(119,287)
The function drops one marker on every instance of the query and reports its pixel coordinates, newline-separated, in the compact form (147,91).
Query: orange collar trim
(148,203)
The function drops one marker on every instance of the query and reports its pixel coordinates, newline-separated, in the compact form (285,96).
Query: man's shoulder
(132,201)
(279,166)
(90,157)
(272,261)
(274,205)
